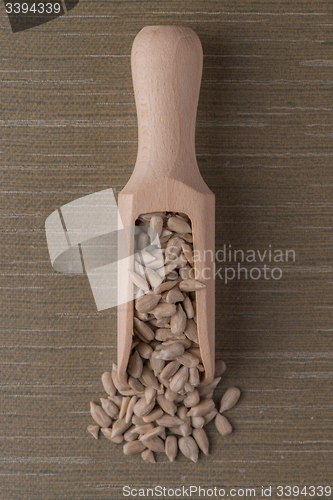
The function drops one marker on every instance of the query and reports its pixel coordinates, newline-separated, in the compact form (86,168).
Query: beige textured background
(264,146)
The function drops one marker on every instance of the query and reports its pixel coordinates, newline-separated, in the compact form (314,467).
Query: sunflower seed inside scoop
(154,278)
(138,280)
(171,352)
(188,307)
(191,285)
(178,320)
(144,350)
(135,365)
(174,295)
(178,225)
(144,329)
(163,310)
(147,303)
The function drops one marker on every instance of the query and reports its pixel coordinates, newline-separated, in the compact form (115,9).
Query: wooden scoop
(166,68)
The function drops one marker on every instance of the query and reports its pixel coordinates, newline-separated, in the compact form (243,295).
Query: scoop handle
(166,69)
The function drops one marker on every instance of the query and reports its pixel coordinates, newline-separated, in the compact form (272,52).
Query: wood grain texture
(264,147)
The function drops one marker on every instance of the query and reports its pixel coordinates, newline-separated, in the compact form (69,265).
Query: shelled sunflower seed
(164,406)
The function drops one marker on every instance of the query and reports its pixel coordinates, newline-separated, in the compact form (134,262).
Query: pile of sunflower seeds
(164,405)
